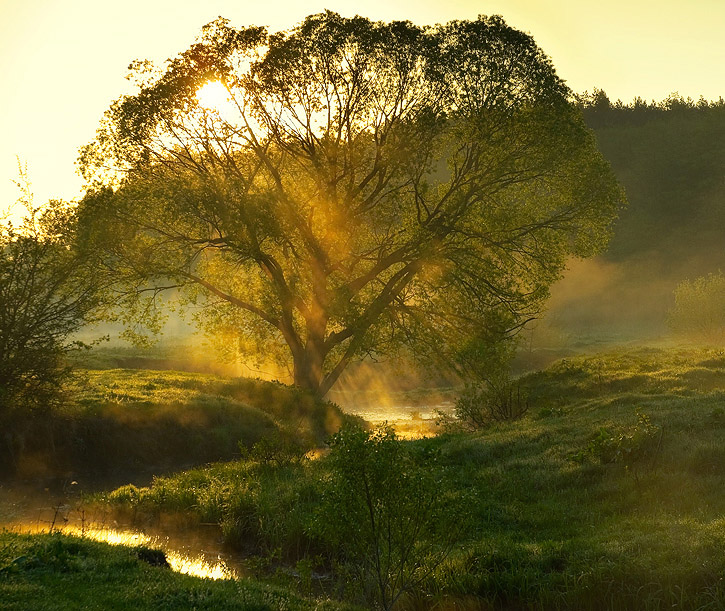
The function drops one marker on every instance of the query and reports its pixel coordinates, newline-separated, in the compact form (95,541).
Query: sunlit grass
(58,572)
(141,422)
(548,522)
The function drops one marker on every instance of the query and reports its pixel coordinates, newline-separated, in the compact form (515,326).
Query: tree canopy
(46,293)
(355,187)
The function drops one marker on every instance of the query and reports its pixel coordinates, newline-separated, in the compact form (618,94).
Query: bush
(46,294)
(633,448)
(278,448)
(699,310)
(380,510)
(496,400)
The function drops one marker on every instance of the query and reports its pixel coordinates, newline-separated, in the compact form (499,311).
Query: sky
(62,62)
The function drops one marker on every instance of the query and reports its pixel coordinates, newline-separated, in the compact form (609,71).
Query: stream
(198,549)
(195,551)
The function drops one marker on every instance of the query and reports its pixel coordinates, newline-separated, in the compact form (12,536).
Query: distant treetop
(599,110)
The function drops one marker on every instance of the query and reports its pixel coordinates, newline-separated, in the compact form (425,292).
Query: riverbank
(196,549)
(126,425)
(59,572)
(606,495)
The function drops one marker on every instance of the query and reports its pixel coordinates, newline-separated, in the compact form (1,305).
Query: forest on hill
(670,158)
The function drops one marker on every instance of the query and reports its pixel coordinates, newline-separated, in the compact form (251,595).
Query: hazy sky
(62,62)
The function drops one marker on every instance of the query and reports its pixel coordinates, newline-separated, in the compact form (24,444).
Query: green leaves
(368,186)
(47,292)
(380,509)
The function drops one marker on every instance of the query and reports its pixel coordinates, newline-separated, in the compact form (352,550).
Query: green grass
(57,572)
(128,422)
(579,505)
(127,392)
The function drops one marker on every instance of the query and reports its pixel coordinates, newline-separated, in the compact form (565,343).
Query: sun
(213,96)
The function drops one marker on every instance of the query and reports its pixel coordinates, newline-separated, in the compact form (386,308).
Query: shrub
(46,294)
(128,495)
(278,448)
(497,400)
(380,510)
(699,310)
(632,448)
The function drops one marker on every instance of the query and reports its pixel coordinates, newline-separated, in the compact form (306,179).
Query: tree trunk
(308,370)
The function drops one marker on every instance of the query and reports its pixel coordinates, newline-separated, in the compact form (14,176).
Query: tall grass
(551,520)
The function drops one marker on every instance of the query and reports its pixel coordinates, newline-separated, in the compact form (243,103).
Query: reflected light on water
(189,564)
(200,567)
(409,421)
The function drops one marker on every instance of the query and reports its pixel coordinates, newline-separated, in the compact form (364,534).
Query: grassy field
(56,572)
(607,495)
(131,423)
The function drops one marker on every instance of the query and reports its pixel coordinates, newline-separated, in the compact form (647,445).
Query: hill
(670,157)
(129,424)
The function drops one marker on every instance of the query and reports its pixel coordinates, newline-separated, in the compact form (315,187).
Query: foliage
(497,400)
(600,111)
(489,394)
(699,310)
(380,510)
(539,530)
(668,156)
(126,495)
(46,293)
(276,448)
(364,187)
(630,447)
(372,509)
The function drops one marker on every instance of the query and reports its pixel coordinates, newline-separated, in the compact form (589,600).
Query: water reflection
(195,552)
(410,420)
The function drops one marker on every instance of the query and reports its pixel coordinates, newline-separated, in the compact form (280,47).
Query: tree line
(600,111)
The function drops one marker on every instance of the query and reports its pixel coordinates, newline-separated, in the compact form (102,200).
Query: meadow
(607,494)
(120,424)
(597,487)
(44,572)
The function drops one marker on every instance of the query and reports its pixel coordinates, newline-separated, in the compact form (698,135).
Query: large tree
(357,186)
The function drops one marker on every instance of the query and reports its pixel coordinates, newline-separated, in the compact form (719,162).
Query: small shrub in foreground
(380,510)
(278,448)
